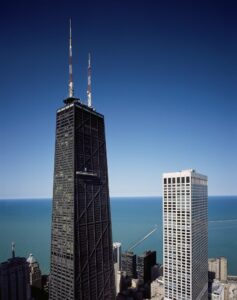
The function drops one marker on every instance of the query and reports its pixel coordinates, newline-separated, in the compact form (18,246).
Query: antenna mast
(89,82)
(70,85)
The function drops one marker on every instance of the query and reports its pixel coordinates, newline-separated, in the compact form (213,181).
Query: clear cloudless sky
(164,75)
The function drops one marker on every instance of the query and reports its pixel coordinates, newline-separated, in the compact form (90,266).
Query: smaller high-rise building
(145,262)
(35,272)
(14,278)
(217,268)
(155,272)
(117,248)
(117,264)
(121,282)
(223,269)
(129,260)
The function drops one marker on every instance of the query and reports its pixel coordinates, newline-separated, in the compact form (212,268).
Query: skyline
(170,70)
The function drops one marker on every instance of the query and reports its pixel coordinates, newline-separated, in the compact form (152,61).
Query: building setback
(185,254)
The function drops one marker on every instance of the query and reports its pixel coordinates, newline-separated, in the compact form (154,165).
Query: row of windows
(170,281)
(178,180)
(178,282)
(195,181)
(173,194)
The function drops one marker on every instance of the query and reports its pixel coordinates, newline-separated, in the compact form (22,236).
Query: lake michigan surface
(28,224)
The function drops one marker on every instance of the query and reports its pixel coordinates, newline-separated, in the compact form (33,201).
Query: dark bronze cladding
(81,244)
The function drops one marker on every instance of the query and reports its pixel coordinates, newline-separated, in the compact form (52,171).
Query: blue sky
(164,74)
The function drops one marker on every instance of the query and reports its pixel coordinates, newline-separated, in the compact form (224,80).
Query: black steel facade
(129,263)
(81,243)
(15,279)
(145,263)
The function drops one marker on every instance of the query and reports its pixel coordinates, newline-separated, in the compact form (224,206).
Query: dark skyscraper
(81,244)
(129,262)
(15,279)
(145,262)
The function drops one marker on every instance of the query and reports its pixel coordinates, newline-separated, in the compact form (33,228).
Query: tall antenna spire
(70,85)
(13,250)
(89,81)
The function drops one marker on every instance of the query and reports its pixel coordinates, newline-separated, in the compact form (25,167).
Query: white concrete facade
(185,233)
(218,291)
(117,252)
(157,289)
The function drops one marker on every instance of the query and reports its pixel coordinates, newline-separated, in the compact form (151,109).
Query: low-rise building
(157,289)
(217,291)
(231,291)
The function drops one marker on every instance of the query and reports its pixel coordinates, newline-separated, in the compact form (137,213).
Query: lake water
(28,224)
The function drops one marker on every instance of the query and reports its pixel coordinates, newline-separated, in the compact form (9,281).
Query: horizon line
(130,196)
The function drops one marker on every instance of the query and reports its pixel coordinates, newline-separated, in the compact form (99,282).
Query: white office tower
(185,235)
(117,252)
